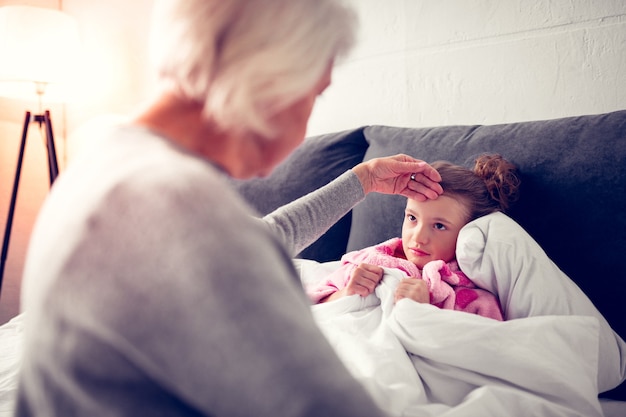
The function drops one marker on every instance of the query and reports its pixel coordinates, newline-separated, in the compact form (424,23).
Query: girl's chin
(419,263)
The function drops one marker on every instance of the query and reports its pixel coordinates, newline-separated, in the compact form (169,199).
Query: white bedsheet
(418,360)
(10,353)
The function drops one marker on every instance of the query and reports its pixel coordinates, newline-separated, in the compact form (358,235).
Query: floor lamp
(53,169)
(37,46)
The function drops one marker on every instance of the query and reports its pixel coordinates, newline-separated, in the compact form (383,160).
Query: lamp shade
(39,50)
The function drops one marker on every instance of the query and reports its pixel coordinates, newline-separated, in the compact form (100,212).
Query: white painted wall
(440,62)
(417,62)
(115,75)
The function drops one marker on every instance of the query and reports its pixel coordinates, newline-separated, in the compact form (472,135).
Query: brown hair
(492,185)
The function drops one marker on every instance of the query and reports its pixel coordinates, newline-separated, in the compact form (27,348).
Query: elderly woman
(150,286)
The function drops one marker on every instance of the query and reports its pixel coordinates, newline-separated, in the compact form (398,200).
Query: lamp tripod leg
(16,183)
(53,164)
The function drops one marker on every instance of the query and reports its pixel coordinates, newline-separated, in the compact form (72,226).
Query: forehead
(444,208)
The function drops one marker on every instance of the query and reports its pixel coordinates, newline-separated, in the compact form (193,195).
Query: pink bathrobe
(449,287)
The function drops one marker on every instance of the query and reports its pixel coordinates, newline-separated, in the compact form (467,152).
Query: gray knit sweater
(151,289)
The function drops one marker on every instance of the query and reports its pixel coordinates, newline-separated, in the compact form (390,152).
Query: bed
(559,253)
(419,360)
(557,256)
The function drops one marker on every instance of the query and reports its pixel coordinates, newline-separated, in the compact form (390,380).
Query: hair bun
(500,177)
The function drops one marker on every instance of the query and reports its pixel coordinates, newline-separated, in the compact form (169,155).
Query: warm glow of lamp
(39,50)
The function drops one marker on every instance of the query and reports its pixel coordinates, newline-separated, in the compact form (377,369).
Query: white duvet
(418,360)
(551,356)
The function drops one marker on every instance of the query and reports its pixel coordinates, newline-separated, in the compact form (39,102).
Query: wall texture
(418,63)
(427,63)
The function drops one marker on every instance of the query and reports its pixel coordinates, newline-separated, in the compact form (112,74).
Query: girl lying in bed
(427,247)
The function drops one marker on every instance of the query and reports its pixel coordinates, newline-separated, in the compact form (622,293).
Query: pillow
(498,255)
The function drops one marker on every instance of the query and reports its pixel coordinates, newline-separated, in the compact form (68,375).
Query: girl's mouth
(419,252)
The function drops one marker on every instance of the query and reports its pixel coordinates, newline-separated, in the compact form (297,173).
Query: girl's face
(431,228)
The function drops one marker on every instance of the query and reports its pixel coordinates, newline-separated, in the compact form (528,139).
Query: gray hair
(247,59)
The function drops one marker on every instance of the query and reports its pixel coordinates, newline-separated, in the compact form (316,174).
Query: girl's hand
(364,279)
(399,174)
(413,288)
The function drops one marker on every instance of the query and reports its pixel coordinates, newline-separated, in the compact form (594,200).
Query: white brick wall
(428,62)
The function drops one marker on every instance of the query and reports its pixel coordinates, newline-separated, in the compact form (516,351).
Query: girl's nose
(420,234)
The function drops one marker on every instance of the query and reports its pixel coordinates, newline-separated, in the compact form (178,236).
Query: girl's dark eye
(440,226)
(410,217)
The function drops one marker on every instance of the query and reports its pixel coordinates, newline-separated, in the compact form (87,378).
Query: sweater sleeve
(301,222)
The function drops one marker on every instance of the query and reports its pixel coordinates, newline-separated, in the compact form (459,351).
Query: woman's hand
(413,288)
(399,174)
